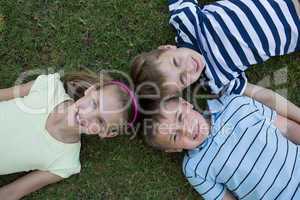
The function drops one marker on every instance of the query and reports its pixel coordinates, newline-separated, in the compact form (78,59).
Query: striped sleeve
(183,19)
(264,110)
(236,86)
(208,189)
(175,4)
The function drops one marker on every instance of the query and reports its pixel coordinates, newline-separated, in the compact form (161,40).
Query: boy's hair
(75,84)
(150,130)
(145,70)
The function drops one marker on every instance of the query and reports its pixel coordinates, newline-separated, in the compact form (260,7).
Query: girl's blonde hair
(75,83)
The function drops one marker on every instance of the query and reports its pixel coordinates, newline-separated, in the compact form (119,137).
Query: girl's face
(181,67)
(97,111)
(181,127)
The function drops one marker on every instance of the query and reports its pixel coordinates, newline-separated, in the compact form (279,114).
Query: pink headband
(133,99)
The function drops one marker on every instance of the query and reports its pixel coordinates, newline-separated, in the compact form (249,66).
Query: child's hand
(6,194)
(27,184)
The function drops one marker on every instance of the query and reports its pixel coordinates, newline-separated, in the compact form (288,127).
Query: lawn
(58,35)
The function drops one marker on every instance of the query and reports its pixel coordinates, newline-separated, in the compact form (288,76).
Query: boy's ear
(91,88)
(185,102)
(167,47)
(173,150)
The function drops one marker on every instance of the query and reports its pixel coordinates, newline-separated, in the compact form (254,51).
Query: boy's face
(180,66)
(181,127)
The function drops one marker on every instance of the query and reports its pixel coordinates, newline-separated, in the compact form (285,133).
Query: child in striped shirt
(245,150)
(217,43)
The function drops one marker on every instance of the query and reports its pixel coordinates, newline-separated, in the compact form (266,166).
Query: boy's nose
(187,131)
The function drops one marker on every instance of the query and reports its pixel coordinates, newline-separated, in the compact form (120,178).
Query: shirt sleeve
(184,19)
(175,4)
(264,110)
(50,90)
(40,83)
(236,86)
(67,164)
(208,189)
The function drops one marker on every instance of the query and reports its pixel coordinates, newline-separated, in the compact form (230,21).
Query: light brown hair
(152,122)
(145,69)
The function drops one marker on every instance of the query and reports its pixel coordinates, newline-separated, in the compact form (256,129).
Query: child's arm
(208,188)
(289,128)
(228,196)
(16,91)
(278,103)
(27,184)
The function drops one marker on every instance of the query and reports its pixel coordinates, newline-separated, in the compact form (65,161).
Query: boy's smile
(181,67)
(181,127)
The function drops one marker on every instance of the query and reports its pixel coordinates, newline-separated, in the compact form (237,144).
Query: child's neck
(57,124)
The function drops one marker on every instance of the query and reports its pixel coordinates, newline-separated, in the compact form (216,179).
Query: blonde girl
(42,122)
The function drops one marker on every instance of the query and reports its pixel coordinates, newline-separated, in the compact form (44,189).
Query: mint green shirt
(25,143)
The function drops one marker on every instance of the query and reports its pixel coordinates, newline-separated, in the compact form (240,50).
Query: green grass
(67,35)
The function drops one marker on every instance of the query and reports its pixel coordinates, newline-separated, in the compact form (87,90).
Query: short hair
(145,68)
(151,130)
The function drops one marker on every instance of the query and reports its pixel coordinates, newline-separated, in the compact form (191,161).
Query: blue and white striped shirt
(244,154)
(235,34)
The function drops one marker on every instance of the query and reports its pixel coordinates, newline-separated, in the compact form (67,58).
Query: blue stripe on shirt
(291,176)
(244,33)
(271,24)
(236,45)
(287,150)
(221,48)
(245,159)
(256,36)
(255,23)
(241,106)
(287,28)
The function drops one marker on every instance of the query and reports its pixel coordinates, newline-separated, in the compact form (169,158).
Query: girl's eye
(180,117)
(177,132)
(100,121)
(94,104)
(102,124)
(175,137)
